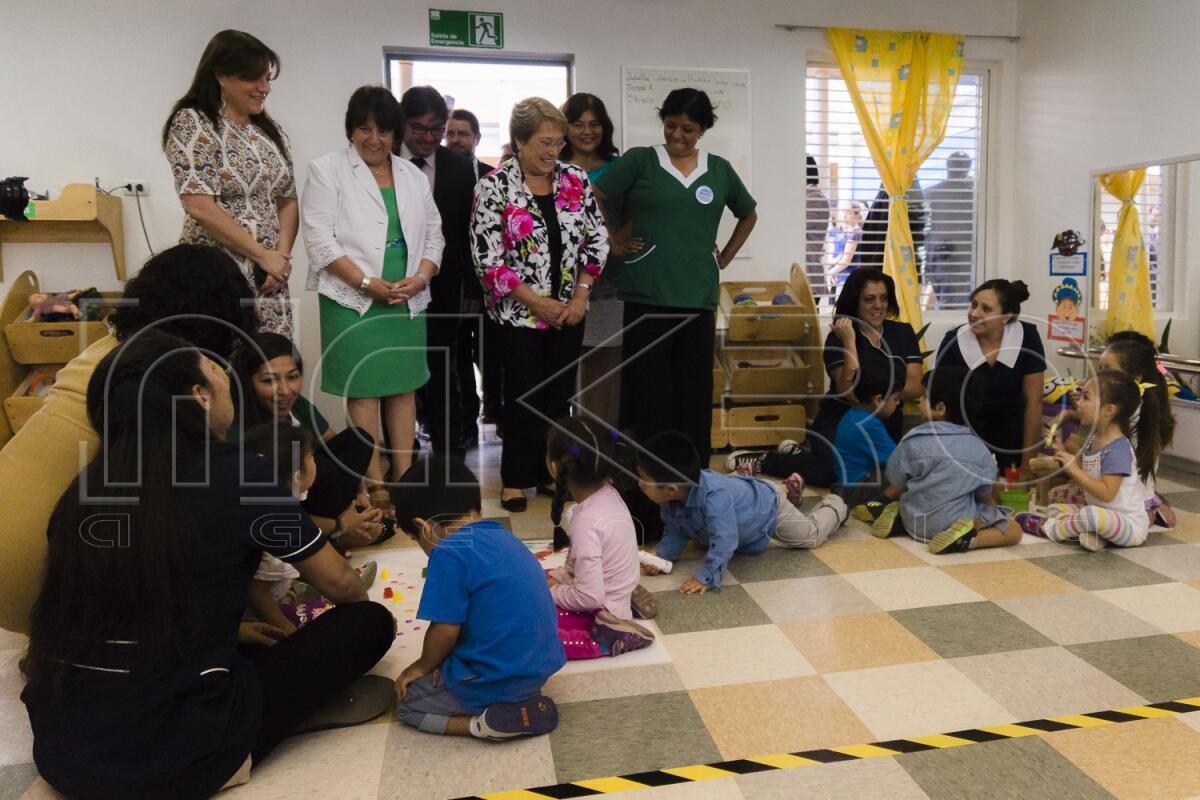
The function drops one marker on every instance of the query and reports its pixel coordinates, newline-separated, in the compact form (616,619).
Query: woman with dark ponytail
(1153,424)
(1008,355)
(594,590)
(141,681)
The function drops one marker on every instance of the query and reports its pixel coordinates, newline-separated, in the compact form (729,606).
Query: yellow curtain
(1129,304)
(903,85)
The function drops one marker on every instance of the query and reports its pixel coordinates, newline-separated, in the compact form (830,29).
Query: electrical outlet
(142,188)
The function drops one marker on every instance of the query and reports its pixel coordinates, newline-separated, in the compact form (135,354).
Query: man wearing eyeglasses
(455,290)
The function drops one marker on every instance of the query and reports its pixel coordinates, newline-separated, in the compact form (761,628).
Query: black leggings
(341,464)
(301,673)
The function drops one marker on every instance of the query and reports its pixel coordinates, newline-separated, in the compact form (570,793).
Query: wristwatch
(365,284)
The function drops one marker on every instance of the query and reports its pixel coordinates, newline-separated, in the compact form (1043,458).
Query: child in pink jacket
(594,589)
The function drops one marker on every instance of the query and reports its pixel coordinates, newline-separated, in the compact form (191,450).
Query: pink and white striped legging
(1065,522)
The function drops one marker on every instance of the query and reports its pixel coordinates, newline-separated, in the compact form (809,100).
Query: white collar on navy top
(1010,345)
(664,161)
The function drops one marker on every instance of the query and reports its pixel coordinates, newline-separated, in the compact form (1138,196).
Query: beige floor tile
(1155,758)
(1003,579)
(1169,606)
(735,655)
(720,789)
(860,641)
(16,737)
(785,716)
(809,598)
(1178,561)
(916,699)
(343,763)
(914,587)
(1064,683)
(1076,617)
(1187,527)
(861,556)
(873,779)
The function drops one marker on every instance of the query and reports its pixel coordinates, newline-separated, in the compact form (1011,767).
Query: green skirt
(380,354)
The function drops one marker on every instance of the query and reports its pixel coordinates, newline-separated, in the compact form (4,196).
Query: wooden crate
(720,435)
(764,322)
(765,425)
(20,406)
(752,373)
(52,342)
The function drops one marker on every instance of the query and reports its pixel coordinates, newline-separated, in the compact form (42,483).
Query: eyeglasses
(551,144)
(421,130)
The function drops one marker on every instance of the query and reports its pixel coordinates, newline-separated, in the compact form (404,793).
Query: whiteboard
(643,90)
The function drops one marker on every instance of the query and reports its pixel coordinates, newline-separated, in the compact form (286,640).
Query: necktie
(420,162)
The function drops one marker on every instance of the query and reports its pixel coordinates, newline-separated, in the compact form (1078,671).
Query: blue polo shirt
(486,580)
(862,444)
(725,513)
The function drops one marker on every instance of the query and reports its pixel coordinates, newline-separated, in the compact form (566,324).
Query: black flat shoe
(514,505)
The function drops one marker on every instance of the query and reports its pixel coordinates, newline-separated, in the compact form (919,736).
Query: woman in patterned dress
(539,243)
(233,169)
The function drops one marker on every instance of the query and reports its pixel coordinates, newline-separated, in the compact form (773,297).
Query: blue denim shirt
(947,472)
(727,514)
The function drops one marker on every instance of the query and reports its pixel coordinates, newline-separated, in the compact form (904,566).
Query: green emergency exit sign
(466,29)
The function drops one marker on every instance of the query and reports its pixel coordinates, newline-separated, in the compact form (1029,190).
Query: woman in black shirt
(1009,356)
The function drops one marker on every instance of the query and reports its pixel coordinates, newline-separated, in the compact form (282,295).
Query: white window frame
(987,224)
(1170,280)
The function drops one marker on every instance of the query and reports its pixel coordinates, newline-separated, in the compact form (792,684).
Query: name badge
(704,195)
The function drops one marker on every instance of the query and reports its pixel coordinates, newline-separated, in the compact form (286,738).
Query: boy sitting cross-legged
(493,636)
(725,513)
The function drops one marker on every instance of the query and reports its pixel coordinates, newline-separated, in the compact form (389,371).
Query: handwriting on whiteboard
(644,87)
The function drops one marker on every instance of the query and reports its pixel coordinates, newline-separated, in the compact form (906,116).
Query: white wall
(92,85)
(1104,83)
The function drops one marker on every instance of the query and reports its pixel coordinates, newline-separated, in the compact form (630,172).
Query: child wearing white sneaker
(594,590)
(1106,469)
(726,514)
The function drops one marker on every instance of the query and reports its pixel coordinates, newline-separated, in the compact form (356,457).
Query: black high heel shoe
(514,505)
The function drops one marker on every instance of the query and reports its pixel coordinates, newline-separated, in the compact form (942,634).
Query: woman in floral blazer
(539,243)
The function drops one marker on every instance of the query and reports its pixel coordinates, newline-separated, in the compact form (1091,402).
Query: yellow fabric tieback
(1142,387)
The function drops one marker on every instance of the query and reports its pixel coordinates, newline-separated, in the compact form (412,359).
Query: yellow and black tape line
(593,787)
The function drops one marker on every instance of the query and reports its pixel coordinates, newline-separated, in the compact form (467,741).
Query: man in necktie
(455,291)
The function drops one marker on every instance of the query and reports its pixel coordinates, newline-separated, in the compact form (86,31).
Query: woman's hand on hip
(576,309)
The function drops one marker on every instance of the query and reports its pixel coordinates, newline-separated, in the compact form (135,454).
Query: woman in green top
(268,379)
(374,241)
(674,193)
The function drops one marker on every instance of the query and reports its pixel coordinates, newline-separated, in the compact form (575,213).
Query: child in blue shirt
(862,444)
(943,473)
(726,514)
(493,635)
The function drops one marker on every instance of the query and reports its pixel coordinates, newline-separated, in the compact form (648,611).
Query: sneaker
(366,573)
(955,539)
(619,635)
(1030,523)
(869,511)
(643,603)
(885,524)
(789,447)
(534,717)
(745,462)
(1092,541)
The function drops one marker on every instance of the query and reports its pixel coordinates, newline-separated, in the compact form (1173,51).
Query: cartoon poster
(1065,324)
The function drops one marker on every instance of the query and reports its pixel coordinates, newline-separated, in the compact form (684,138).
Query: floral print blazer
(511,245)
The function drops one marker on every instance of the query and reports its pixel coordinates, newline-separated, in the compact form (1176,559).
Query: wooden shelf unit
(82,214)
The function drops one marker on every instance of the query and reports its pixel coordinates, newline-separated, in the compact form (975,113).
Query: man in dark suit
(462,137)
(453,183)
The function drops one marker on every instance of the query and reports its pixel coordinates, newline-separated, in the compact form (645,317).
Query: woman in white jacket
(374,241)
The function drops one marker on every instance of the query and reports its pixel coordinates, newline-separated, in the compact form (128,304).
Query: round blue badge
(704,195)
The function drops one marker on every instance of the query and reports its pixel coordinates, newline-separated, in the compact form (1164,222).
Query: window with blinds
(1153,205)
(846,216)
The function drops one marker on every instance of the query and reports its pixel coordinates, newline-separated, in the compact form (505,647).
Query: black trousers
(666,377)
(440,399)
(531,357)
(301,673)
(469,341)
(341,464)
(818,466)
